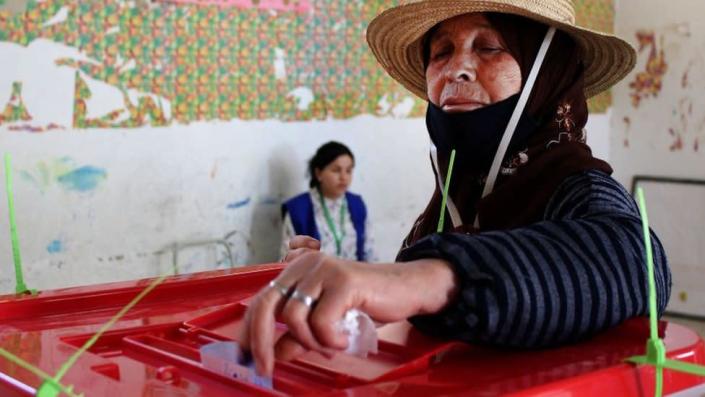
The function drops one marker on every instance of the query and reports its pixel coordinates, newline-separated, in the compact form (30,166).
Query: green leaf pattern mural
(181,63)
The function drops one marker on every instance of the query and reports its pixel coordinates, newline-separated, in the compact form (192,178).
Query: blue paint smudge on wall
(239,204)
(54,247)
(27,176)
(83,179)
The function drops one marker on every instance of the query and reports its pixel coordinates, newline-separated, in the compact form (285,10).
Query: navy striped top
(579,271)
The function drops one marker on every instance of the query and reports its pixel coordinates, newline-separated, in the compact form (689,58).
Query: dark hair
(325,155)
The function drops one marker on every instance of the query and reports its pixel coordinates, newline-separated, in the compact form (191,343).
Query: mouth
(460,104)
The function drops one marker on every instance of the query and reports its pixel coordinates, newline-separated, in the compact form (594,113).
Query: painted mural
(127,64)
(669,76)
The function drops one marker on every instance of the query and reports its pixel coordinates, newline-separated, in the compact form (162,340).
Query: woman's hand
(299,245)
(315,290)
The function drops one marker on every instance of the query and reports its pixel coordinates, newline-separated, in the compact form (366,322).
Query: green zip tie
(653,314)
(655,349)
(52,387)
(446,186)
(89,343)
(675,365)
(49,387)
(20,286)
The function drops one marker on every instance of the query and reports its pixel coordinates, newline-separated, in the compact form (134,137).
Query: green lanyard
(329,220)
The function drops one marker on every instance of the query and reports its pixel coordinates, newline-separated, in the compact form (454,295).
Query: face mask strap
(516,115)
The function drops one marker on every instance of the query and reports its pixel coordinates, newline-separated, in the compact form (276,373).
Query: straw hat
(396,38)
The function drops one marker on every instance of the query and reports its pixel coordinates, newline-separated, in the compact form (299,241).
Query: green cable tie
(655,349)
(675,365)
(653,315)
(49,387)
(89,343)
(20,286)
(446,186)
(681,366)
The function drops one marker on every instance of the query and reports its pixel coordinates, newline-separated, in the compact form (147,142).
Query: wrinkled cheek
(433,88)
(502,83)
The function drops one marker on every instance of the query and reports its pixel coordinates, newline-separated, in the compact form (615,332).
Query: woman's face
(469,66)
(335,177)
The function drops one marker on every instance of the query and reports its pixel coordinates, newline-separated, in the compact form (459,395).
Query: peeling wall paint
(246,94)
(662,109)
(278,5)
(113,64)
(153,189)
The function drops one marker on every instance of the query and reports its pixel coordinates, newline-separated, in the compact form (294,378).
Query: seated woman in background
(541,246)
(328,212)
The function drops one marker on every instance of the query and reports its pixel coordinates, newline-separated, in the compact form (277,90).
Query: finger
(261,330)
(261,314)
(244,337)
(295,313)
(288,348)
(329,310)
(301,241)
(296,253)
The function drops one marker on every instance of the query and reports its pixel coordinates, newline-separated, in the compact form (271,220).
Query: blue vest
(300,210)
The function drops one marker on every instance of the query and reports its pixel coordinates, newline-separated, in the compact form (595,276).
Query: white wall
(109,204)
(177,184)
(644,137)
(663,132)
(598,134)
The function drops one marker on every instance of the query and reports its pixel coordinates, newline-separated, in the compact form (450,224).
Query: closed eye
(440,54)
(441,50)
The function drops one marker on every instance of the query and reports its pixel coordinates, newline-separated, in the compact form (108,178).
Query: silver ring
(303,298)
(280,288)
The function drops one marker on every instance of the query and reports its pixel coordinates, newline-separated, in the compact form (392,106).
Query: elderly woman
(527,241)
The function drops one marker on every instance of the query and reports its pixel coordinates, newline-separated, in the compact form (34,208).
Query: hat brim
(396,39)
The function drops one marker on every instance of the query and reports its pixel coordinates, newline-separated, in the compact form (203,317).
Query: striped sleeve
(579,271)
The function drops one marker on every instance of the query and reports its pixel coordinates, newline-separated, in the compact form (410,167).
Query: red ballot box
(154,350)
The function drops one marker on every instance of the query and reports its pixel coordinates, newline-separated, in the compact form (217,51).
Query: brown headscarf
(555,150)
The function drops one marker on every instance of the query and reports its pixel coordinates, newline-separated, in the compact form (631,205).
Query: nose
(462,68)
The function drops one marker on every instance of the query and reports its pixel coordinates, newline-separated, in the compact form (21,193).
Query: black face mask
(475,135)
